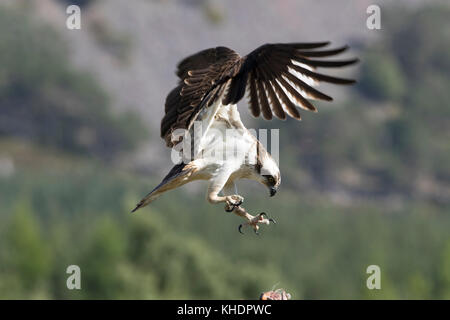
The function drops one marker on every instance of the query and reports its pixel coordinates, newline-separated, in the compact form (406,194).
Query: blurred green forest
(386,149)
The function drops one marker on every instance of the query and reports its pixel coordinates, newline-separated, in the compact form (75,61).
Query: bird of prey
(278,80)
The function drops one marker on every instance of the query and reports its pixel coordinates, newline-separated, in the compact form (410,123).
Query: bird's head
(268,173)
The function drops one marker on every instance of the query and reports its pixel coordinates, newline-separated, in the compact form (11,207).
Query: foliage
(391,137)
(45,100)
(381,77)
(184,250)
(366,183)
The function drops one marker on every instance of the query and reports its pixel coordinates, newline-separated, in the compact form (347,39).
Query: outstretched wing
(201,83)
(278,78)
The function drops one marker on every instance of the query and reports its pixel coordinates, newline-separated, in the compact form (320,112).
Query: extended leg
(216,186)
(253,221)
(235,118)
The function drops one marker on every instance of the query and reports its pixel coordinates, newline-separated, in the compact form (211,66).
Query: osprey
(278,79)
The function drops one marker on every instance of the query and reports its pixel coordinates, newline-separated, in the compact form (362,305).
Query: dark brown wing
(277,77)
(280,77)
(202,80)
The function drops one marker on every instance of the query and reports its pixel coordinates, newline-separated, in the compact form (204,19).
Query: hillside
(365,181)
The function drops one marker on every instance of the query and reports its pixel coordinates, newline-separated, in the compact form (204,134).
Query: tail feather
(166,184)
(145,201)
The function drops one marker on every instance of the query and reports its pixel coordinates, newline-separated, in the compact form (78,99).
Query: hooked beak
(273,191)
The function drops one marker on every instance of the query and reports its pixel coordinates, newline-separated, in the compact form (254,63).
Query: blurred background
(367,182)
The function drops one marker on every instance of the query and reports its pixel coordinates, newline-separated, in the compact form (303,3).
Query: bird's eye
(270,179)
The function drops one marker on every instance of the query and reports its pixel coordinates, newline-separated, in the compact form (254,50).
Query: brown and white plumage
(278,79)
(268,74)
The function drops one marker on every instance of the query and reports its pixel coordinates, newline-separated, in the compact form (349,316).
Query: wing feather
(266,75)
(265,108)
(297,96)
(286,74)
(326,63)
(253,96)
(309,91)
(290,107)
(320,77)
(201,77)
(274,102)
(278,78)
(324,53)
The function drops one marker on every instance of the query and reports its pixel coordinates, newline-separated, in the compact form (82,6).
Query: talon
(252,221)
(263,214)
(229,208)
